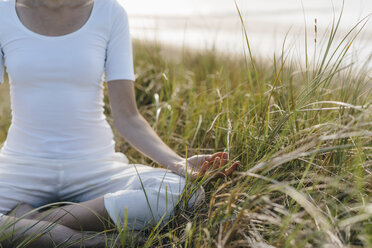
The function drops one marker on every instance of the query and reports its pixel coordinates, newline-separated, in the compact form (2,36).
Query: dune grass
(303,135)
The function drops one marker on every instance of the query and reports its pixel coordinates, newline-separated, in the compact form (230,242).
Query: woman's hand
(212,166)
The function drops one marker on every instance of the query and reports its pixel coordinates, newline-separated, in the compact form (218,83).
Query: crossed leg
(45,234)
(68,219)
(92,215)
(88,216)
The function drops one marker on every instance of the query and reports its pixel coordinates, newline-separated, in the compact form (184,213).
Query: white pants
(147,192)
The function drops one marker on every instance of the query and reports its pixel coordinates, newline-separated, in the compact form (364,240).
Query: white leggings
(148,193)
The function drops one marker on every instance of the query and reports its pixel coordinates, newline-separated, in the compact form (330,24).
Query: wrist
(177,166)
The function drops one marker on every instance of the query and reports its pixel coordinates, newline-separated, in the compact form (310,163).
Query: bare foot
(24,210)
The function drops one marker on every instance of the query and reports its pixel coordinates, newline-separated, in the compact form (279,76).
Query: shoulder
(116,11)
(5,14)
(4,6)
(109,13)
(116,7)
(4,2)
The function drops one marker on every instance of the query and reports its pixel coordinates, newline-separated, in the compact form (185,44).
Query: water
(203,24)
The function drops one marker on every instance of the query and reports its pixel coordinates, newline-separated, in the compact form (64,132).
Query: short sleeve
(119,57)
(1,66)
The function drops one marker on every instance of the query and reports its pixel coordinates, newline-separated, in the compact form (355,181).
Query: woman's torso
(56,87)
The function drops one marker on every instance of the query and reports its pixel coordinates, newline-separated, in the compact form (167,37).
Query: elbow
(127,119)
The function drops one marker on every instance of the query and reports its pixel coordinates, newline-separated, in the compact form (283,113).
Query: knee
(152,204)
(141,208)
(197,197)
(193,196)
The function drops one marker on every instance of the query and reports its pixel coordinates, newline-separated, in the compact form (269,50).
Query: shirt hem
(121,77)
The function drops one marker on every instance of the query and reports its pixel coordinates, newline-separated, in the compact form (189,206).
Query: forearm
(140,135)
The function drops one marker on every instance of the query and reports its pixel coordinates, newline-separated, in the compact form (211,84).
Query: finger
(232,168)
(222,155)
(216,163)
(223,162)
(215,174)
(225,155)
(208,158)
(215,155)
(204,168)
(215,169)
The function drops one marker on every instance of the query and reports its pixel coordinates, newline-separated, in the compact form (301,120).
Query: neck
(54,4)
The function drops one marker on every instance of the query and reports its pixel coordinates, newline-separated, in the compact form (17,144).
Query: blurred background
(207,24)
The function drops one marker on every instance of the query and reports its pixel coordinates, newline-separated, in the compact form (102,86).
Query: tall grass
(304,137)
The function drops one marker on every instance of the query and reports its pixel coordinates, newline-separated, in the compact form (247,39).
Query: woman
(59,146)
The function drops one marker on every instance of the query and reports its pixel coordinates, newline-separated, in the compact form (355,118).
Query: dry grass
(304,137)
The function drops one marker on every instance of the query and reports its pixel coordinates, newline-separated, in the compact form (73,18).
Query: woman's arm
(135,129)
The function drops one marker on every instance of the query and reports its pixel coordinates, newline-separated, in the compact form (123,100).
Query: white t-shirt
(56,82)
